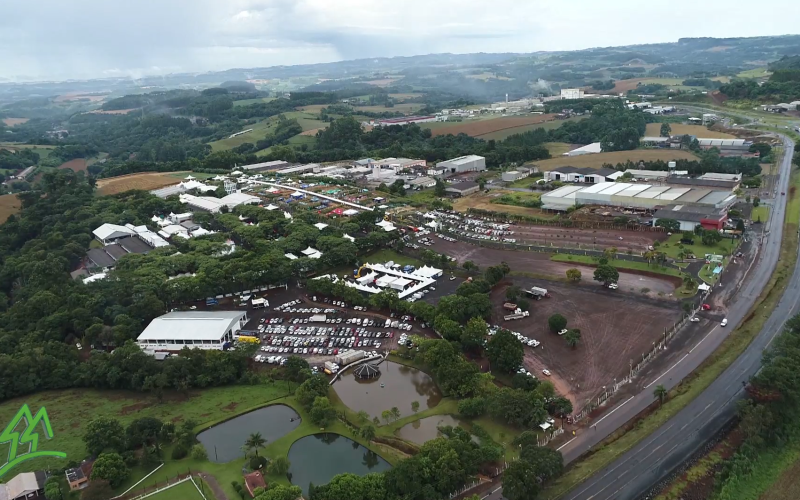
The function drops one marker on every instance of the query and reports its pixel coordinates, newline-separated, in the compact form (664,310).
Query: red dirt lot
(594,239)
(615,329)
(483,127)
(75,165)
(540,264)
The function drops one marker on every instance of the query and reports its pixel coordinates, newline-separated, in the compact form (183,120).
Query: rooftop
(462,186)
(464,159)
(107,231)
(191,325)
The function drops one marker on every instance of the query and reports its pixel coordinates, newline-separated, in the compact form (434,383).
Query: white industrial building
(192,329)
(469,163)
(267,165)
(711,176)
(214,205)
(639,196)
(572,93)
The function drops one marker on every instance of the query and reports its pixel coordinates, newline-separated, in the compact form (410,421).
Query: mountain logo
(28,437)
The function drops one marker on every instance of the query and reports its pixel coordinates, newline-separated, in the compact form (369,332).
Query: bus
(247,338)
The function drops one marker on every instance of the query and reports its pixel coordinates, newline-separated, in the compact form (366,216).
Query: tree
(110,467)
(198,452)
(574,275)
(279,466)
(367,432)
(97,490)
(363,416)
(670,225)
(295,366)
(547,463)
(505,352)
(756,201)
(312,388)
(688,281)
(472,407)
(415,406)
(470,266)
(740,226)
(280,492)
(513,292)
(102,434)
(439,189)
(395,411)
(660,392)
(520,481)
(711,238)
(255,441)
(473,334)
(322,413)
(572,337)
(386,415)
(666,130)
(51,489)
(556,323)
(606,274)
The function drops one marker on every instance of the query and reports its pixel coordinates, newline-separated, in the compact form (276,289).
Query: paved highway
(653,458)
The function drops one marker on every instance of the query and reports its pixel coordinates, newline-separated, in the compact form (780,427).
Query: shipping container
(349,357)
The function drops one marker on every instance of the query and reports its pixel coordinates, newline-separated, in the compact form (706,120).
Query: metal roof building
(193,329)
(645,196)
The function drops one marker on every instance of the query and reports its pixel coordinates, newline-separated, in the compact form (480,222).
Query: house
(690,217)
(469,163)
(109,233)
(193,329)
(24,486)
(515,175)
(254,480)
(462,188)
(78,477)
(107,257)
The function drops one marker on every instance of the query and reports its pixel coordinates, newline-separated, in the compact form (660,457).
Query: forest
(783,86)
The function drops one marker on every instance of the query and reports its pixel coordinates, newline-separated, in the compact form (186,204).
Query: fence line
(140,481)
(159,490)
(198,488)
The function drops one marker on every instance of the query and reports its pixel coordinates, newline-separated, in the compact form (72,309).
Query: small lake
(425,429)
(402,385)
(224,442)
(319,457)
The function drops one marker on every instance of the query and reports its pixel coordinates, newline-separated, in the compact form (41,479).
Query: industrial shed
(643,196)
(193,329)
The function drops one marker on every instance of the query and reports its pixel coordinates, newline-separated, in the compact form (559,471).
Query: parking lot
(319,332)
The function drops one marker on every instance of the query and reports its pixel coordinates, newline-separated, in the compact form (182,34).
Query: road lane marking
(668,370)
(612,411)
(701,341)
(568,442)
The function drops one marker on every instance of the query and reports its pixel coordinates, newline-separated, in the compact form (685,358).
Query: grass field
(557,148)
(184,491)
(597,160)
(247,102)
(761,213)
(15,121)
(144,180)
(501,135)
(619,264)
(626,85)
(654,129)
(405,97)
(672,247)
(754,73)
(479,128)
(483,201)
(42,150)
(9,205)
(261,129)
(691,387)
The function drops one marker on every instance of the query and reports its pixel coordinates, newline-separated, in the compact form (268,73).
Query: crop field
(42,150)
(478,128)
(76,165)
(597,160)
(15,121)
(483,201)
(405,97)
(626,85)
(144,180)
(9,205)
(382,83)
(261,129)
(654,130)
(505,134)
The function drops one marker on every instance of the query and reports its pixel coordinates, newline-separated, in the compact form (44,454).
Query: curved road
(653,458)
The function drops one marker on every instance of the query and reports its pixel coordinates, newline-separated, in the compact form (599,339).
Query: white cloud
(53,39)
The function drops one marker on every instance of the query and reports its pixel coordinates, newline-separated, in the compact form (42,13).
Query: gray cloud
(53,39)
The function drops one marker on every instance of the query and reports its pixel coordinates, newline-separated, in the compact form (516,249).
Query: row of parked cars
(276,360)
(522,338)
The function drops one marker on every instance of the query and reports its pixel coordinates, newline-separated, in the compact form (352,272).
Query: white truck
(537,292)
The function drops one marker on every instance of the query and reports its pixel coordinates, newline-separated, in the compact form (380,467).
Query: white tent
(270,207)
(350,212)
(309,251)
(385,280)
(320,225)
(348,237)
(400,283)
(291,256)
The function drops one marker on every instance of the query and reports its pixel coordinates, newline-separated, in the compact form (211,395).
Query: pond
(427,428)
(224,442)
(317,458)
(398,386)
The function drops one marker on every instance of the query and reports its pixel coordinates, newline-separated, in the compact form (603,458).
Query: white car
(452,278)
(724,322)
(694,319)
(546,372)
(562,332)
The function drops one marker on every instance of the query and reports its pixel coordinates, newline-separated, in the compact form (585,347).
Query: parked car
(694,319)
(546,372)
(562,332)
(724,322)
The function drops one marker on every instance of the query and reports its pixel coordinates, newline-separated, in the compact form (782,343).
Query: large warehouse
(192,329)
(470,163)
(642,196)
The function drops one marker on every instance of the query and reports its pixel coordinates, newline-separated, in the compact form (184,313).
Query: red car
(706,307)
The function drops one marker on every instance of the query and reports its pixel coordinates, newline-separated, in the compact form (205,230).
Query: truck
(211,301)
(537,292)
(348,357)
(331,367)
(516,315)
(510,306)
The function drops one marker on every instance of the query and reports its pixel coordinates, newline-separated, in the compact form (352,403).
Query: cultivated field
(654,130)
(787,487)
(9,205)
(112,112)
(609,339)
(626,85)
(144,180)
(382,83)
(597,160)
(483,201)
(77,96)
(501,135)
(76,165)
(477,128)
(15,121)
(405,97)
(247,102)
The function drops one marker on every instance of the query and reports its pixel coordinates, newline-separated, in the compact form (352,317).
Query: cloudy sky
(58,39)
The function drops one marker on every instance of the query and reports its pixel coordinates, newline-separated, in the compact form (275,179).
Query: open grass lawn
(247,102)
(672,246)
(754,73)
(597,160)
(761,213)
(70,411)
(42,150)
(654,129)
(258,132)
(198,175)
(184,491)
(557,148)
(619,264)
(9,205)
